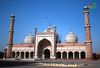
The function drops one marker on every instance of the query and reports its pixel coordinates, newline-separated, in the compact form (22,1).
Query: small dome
(29,39)
(49,29)
(71,37)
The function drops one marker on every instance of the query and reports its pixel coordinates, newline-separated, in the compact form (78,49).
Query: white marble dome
(71,37)
(29,39)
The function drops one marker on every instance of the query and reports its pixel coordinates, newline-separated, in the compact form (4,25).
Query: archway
(13,54)
(43,44)
(46,53)
(58,55)
(64,55)
(70,55)
(18,54)
(31,54)
(27,55)
(22,55)
(82,55)
(76,55)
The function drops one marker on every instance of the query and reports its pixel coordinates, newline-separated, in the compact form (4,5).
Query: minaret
(10,37)
(87,27)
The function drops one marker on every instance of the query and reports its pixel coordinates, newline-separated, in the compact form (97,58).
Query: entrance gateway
(44,48)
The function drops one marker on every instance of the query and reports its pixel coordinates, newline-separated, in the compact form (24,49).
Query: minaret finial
(35,30)
(55,28)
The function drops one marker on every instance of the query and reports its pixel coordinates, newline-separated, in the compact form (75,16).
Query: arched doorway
(64,55)
(13,54)
(47,54)
(18,54)
(31,54)
(22,55)
(70,55)
(76,55)
(41,46)
(27,55)
(82,55)
(58,55)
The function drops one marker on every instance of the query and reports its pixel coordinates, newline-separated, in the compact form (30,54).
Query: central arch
(47,54)
(41,46)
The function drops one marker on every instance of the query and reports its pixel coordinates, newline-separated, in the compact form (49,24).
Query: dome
(29,39)
(49,29)
(71,37)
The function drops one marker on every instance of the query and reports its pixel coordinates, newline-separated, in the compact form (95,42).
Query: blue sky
(67,15)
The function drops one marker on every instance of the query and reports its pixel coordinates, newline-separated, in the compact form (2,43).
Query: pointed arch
(31,54)
(17,54)
(58,55)
(41,45)
(47,54)
(13,54)
(83,55)
(70,55)
(22,55)
(76,55)
(27,55)
(64,55)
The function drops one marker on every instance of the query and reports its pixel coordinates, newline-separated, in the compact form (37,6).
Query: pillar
(36,45)
(53,51)
(10,37)
(73,55)
(24,55)
(79,55)
(61,55)
(29,55)
(67,56)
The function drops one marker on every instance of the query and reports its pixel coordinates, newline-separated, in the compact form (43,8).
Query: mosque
(46,44)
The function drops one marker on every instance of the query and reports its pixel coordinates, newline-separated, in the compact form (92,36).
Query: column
(61,55)
(73,55)
(35,55)
(29,55)
(52,51)
(24,55)
(79,55)
(19,55)
(67,56)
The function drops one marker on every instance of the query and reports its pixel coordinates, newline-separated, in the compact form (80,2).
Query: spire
(49,27)
(35,30)
(10,37)
(55,28)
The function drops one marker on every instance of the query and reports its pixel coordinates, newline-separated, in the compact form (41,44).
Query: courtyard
(50,63)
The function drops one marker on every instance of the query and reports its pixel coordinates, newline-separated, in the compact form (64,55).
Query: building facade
(46,44)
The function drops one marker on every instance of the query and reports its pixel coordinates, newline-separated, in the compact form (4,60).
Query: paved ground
(49,64)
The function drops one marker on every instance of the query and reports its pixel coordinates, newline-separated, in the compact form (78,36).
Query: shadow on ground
(8,63)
